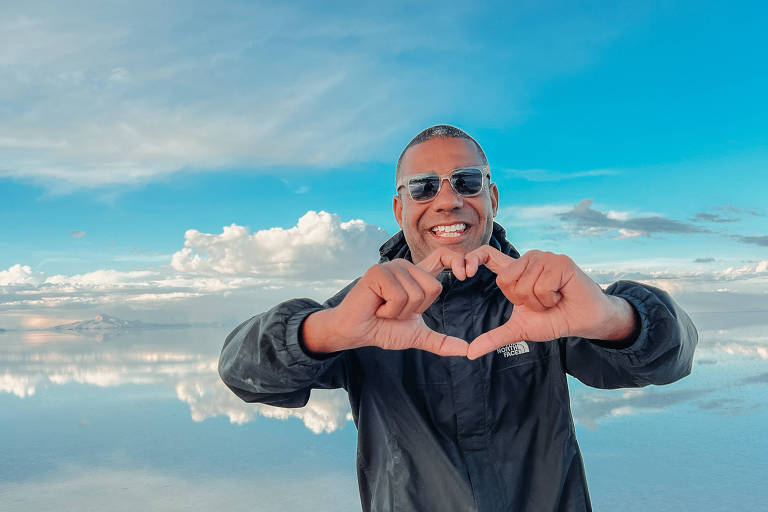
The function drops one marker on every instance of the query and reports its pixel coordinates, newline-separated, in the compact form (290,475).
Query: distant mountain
(102,323)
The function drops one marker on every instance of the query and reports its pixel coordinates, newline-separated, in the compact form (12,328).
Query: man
(444,424)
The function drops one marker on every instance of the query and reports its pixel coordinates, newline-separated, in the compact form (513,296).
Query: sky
(180,157)
(191,163)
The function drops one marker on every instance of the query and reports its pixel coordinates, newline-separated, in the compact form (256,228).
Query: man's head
(440,150)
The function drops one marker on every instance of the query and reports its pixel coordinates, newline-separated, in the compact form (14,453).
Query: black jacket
(449,434)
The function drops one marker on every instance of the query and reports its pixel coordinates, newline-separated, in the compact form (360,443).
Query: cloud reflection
(163,358)
(327,410)
(183,363)
(589,408)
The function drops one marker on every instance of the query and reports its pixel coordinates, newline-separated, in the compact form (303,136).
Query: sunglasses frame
(405,182)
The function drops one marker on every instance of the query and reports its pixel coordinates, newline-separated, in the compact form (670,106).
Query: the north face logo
(515,349)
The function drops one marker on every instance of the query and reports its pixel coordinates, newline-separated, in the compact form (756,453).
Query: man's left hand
(553,298)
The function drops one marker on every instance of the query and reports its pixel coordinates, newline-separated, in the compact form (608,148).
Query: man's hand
(384,309)
(552,297)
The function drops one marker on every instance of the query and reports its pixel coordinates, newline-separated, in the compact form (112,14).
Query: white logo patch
(515,349)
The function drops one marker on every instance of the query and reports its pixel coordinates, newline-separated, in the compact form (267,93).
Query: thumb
(440,344)
(505,334)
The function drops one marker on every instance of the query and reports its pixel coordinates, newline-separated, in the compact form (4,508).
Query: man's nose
(447,198)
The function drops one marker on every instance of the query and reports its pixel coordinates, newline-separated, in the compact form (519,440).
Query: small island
(102,322)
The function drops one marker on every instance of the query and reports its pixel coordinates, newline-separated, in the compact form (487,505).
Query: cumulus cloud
(77,233)
(19,274)
(319,245)
(588,221)
(316,257)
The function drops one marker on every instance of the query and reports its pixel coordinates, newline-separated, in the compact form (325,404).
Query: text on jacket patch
(515,349)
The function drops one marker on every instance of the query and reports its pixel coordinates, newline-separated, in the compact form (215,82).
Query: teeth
(451,231)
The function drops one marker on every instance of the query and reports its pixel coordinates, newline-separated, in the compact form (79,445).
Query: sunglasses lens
(423,187)
(467,182)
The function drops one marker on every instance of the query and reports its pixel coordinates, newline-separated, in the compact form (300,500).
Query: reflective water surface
(139,420)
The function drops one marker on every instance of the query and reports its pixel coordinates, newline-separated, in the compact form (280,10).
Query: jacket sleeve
(661,353)
(263,359)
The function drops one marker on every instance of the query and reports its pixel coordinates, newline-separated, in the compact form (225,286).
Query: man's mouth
(449,230)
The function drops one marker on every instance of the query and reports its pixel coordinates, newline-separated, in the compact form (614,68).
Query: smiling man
(466,407)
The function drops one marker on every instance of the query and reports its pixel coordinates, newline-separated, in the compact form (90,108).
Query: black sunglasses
(467,181)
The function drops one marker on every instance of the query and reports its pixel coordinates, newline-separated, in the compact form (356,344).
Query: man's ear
(494,198)
(397,208)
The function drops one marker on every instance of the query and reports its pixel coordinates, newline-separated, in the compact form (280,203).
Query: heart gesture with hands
(552,296)
(384,309)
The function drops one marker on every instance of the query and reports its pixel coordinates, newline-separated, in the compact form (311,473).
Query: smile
(449,231)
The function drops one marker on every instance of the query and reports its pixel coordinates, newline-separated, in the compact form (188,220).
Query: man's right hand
(384,309)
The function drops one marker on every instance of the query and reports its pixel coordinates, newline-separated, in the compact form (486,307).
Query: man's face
(419,220)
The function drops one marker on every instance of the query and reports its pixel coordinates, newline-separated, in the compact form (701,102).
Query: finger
(492,258)
(413,289)
(429,285)
(505,334)
(471,263)
(547,286)
(441,344)
(522,291)
(440,259)
(384,284)
(507,279)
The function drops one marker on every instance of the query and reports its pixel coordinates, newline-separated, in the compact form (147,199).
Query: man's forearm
(624,324)
(317,335)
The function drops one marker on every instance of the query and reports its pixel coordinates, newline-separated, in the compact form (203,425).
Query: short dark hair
(445,131)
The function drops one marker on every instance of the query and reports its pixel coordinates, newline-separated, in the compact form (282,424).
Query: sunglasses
(466,181)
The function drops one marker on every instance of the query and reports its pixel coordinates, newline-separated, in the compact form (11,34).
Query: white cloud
(628,233)
(125,94)
(319,245)
(102,279)
(20,275)
(235,269)
(317,257)
(683,276)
